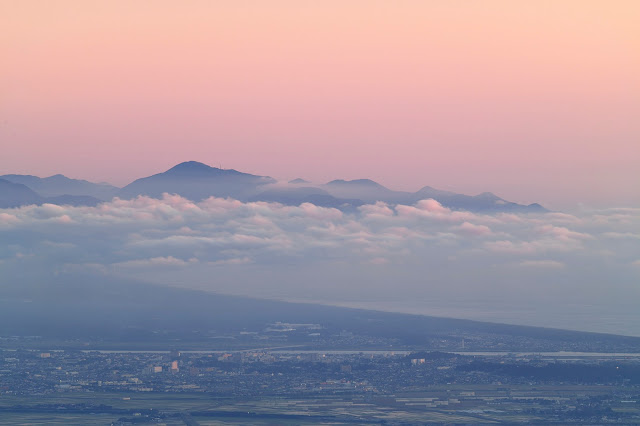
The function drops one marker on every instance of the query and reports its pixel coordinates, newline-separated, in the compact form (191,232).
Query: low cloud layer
(382,253)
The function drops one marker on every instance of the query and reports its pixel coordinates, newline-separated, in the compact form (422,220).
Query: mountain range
(198,181)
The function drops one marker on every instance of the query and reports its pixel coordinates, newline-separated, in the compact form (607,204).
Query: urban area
(289,386)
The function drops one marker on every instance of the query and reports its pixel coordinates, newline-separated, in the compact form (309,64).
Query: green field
(439,404)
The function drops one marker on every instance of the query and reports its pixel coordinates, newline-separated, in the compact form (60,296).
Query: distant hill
(57,185)
(305,194)
(197,181)
(366,190)
(16,195)
(485,202)
(357,183)
(299,181)
(73,200)
(369,191)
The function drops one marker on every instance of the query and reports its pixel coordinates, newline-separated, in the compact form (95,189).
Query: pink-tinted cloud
(475,230)
(553,264)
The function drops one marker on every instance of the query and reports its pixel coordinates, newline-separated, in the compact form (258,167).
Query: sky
(535,101)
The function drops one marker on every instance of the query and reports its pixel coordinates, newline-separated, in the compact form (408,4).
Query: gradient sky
(535,101)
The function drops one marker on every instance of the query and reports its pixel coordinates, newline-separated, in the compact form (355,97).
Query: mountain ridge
(50,308)
(198,181)
(14,195)
(59,185)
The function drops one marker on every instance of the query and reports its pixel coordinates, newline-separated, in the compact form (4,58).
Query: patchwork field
(450,404)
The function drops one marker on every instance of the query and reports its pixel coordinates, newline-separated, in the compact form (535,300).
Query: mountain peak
(196,181)
(298,181)
(191,166)
(355,182)
(195,169)
(430,191)
(58,178)
(488,196)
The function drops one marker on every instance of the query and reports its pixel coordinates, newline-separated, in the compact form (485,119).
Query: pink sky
(535,101)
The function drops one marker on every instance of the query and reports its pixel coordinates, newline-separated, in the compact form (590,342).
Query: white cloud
(145,234)
(473,230)
(155,261)
(562,233)
(553,264)
(621,235)
(376,210)
(232,261)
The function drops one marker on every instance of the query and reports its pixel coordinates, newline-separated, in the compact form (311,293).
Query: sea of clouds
(423,258)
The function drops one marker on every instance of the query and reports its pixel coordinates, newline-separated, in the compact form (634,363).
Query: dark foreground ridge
(87,350)
(107,312)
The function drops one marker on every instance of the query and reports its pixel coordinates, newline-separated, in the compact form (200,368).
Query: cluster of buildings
(399,380)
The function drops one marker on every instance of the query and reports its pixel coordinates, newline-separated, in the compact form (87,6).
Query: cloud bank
(381,253)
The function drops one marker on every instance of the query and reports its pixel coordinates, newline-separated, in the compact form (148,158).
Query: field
(451,404)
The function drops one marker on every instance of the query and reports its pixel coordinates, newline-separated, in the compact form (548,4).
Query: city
(314,386)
